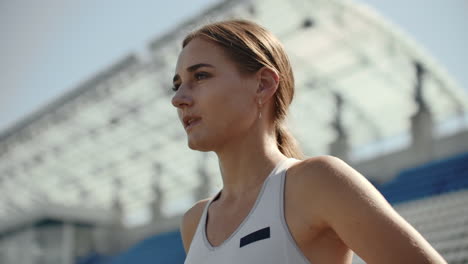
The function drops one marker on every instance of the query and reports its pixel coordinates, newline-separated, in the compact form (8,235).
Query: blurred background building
(102,174)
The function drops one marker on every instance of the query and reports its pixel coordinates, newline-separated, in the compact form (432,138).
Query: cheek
(234,114)
(227,106)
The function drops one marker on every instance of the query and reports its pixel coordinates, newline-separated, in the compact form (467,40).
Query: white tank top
(262,237)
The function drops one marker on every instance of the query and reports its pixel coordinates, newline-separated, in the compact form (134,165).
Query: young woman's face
(214,101)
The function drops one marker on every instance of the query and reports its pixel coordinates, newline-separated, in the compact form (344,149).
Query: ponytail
(287,144)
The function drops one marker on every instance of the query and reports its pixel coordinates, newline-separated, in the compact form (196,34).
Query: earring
(260,109)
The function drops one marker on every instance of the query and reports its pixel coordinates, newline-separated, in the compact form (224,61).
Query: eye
(175,87)
(201,75)
(198,76)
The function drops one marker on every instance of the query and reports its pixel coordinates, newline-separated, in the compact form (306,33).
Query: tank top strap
(286,164)
(271,201)
(279,176)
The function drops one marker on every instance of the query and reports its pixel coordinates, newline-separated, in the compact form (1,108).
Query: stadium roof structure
(115,140)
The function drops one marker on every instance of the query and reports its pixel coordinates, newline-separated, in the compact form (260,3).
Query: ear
(268,80)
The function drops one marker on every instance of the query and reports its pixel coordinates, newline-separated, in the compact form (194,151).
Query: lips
(190,121)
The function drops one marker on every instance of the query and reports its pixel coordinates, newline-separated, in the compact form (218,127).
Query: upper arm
(360,215)
(190,222)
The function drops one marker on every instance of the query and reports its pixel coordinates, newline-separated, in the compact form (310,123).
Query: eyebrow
(192,69)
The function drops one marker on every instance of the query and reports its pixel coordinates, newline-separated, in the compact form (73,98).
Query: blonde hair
(251,47)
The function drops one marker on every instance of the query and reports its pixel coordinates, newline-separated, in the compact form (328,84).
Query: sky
(49,47)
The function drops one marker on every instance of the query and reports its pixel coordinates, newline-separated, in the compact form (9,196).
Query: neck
(245,162)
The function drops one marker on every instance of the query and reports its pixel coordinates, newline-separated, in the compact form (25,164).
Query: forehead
(200,51)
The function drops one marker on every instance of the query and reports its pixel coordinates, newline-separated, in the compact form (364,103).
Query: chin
(197,145)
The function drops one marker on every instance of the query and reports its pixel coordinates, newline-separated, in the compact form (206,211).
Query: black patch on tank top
(261,234)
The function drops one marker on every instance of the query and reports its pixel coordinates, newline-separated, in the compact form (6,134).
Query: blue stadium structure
(162,248)
(431,179)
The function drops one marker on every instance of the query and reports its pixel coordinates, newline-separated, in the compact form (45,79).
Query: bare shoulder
(325,173)
(345,201)
(190,222)
(326,180)
(315,181)
(323,163)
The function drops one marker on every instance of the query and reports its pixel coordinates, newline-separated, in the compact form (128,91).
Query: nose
(181,99)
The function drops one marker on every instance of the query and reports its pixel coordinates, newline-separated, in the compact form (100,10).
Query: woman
(233,85)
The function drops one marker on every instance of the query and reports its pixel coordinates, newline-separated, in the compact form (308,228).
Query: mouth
(190,122)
